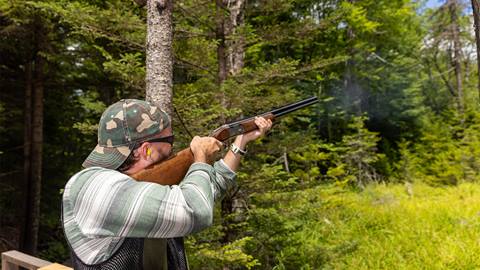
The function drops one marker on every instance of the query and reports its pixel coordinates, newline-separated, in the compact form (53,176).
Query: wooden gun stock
(173,170)
(168,172)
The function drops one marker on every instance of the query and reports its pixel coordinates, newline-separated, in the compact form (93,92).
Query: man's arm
(233,160)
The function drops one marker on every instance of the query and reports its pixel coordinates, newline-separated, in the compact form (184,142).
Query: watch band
(236,150)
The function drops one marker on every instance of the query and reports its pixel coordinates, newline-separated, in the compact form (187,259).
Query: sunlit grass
(383,227)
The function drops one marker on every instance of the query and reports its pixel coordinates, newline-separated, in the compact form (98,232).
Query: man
(110,219)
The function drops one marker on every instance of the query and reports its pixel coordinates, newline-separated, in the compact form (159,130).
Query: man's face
(161,150)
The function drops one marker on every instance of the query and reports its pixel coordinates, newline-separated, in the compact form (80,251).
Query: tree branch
(185,62)
(141,3)
(444,79)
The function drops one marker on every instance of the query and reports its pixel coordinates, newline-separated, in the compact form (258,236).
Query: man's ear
(144,151)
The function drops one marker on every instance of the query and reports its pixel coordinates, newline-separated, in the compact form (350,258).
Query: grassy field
(382,227)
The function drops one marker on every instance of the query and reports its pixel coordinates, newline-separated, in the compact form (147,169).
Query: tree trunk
(37,148)
(33,136)
(226,214)
(27,150)
(236,42)
(476,19)
(457,47)
(159,64)
(230,55)
(220,11)
(35,181)
(231,45)
(159,91)
(226,204)
(220,36)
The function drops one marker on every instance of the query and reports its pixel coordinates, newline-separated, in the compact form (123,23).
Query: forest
(382,173)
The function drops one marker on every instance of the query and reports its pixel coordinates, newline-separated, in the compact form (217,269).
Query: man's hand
(263,126)
(204,149)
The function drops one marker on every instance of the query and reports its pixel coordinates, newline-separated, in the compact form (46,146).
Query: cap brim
(107,157)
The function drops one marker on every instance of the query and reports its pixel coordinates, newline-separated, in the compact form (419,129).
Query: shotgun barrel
(245,125)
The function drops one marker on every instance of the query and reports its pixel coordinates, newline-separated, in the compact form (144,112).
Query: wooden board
(55,266)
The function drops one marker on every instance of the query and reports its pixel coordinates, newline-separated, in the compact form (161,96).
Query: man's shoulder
(93,180)
(96,174)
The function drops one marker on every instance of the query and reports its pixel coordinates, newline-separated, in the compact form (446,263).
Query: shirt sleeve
(112,204)
(224,179)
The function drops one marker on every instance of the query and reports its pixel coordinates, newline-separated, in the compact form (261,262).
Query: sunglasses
(167,139)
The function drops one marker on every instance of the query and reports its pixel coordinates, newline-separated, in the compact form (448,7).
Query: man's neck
(136,167)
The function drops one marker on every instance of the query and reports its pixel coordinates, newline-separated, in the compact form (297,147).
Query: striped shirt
(101,207)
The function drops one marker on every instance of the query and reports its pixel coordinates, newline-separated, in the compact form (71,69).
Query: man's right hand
(204,149)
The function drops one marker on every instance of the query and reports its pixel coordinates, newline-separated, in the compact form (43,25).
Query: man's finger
(219,144)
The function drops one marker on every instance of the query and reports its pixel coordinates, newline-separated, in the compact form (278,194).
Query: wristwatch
(236,150)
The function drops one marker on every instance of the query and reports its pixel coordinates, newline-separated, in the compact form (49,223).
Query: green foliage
(128,69)
(446,154)
(231,255)
(359,155)
(351,161)
(356,17)
(93,109)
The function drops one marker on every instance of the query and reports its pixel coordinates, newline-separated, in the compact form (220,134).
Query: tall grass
(382,227)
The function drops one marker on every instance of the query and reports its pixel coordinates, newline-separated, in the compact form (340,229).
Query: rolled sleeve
(224,179)
(221,177)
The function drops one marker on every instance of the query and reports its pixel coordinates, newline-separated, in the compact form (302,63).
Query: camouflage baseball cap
(123,125)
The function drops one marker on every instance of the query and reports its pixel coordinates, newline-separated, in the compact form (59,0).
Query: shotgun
(174,169)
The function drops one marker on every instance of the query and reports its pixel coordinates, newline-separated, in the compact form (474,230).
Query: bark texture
(159,64)
(236,41)
(220,36)
(231,42)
